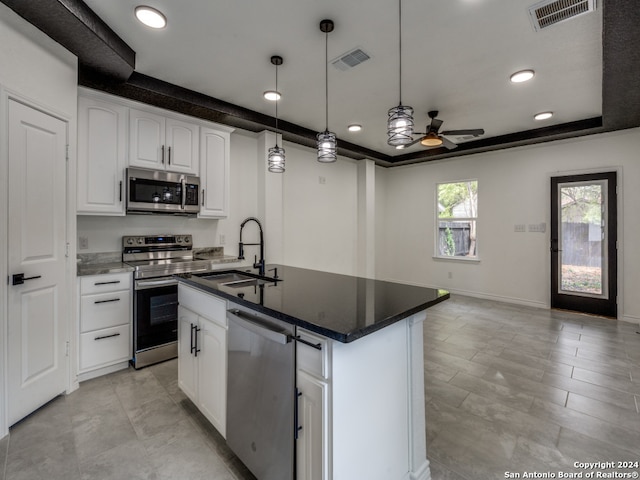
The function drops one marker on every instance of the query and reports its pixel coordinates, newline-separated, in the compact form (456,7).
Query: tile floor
(509,390)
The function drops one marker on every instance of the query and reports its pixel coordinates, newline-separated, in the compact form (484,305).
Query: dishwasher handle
(259,328)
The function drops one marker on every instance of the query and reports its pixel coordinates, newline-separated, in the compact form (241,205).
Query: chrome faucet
(259,264)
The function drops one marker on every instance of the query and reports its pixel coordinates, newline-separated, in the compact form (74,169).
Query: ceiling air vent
(550,12)
(350,59)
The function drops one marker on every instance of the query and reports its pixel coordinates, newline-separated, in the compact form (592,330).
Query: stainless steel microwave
(157,191)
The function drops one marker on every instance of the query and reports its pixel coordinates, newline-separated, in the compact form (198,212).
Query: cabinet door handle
(296,416)
(196,349)
(107,336)
(317,346)
(203,197)
(162,156)
(107,301)
(169,155)
(107,283)
(191,345)
(121,190)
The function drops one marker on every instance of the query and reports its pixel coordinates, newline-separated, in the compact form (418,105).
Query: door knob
(19,278)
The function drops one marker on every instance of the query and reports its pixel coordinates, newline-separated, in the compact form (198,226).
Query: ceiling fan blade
(448,143)
(475,132)
(413,143)
(436,123)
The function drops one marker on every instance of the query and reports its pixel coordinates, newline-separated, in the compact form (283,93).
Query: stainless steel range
(155,306)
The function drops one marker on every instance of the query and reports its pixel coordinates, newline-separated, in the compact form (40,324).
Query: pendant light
(400,120)
(276,154)
(326,141)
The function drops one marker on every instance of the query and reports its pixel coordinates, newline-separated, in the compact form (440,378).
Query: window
(457,219)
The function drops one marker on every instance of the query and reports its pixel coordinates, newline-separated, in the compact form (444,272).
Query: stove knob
(187,239)
(179,239)
(129,241)
(140,241)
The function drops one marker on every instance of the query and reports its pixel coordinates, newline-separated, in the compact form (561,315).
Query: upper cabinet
(163,143)
(214,173)
(102,143)
(114,133)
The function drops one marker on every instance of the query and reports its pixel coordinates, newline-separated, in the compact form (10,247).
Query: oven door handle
(145,284)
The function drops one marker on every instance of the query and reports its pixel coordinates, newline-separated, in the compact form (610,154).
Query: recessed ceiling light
(272,95)
(354,128)
(543,115)
(522,76)
(151,17)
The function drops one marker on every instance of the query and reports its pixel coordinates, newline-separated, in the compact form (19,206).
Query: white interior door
(37,307)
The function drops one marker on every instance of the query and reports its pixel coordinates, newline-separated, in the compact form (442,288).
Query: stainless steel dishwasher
(260,393)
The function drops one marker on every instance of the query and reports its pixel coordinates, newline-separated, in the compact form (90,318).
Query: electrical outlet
(322,180)
(538,227)
(450,275)
(222,239)
(83,243)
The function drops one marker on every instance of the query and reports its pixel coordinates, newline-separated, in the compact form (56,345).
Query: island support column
(419,465)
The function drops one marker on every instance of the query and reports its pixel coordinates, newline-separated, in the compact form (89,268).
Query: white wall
(514,188)
(40,72)
(105,233)
(320,212)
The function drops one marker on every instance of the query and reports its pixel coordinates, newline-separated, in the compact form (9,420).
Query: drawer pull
(107,283)
(107,301)
(317,346)
(107,336)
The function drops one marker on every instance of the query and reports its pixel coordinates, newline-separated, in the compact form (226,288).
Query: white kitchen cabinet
(102,143)
(214,172)
(313,387)
(162,142)
(202,353)
(105,324)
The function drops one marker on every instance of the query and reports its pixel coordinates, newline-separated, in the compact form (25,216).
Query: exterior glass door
(583,243)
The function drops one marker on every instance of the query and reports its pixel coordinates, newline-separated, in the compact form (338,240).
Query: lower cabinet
(202,353)
(314,406)
(105,324)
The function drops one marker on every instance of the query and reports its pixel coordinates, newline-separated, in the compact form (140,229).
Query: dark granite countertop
(340,307)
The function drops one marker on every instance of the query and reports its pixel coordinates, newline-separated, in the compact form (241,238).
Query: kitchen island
(359,368)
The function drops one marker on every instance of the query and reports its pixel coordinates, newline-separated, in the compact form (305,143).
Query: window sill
(457,259)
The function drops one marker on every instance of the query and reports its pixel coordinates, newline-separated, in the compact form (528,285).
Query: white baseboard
(422,473)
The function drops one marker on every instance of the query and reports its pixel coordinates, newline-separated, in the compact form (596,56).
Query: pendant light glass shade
(400,121)
(275,159)
(327,143)
(327,147)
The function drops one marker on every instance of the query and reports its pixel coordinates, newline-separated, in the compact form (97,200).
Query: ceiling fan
(433,138)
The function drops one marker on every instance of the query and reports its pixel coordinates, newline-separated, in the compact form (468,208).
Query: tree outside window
(457,219)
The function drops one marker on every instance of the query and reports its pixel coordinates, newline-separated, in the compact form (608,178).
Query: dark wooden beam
(76,27)
(528,137)
(621,64)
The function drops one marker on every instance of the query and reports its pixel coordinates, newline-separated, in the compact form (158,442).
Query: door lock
(19,278)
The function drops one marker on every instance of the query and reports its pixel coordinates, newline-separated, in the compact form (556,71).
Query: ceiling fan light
(276,159)
(400,125)
(522,76)
(150,17)
(431,140)
(327,146)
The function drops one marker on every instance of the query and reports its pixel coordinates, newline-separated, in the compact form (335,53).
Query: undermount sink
(235,280)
